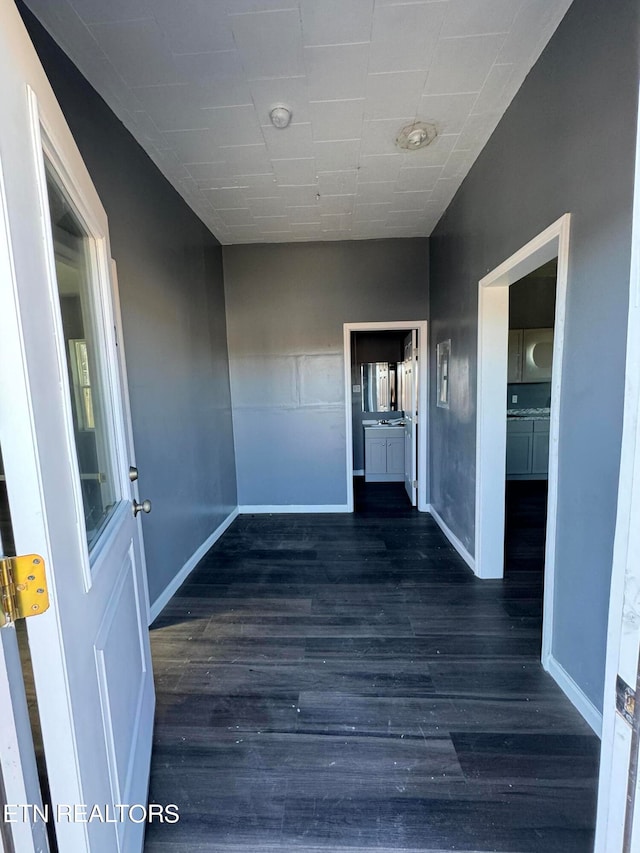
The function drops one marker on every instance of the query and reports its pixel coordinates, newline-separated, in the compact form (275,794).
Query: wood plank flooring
(344,683)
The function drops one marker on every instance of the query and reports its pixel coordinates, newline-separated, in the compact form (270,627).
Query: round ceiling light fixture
(416,135)
(280,116)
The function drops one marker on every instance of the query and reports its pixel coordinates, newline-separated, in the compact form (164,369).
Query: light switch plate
(356,389)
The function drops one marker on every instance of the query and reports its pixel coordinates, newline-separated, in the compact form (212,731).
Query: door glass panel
(89,400)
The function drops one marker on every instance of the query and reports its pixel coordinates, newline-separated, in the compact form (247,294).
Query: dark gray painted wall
(286,306)
(172,300)
(367,347)
(532,303)
(565,144)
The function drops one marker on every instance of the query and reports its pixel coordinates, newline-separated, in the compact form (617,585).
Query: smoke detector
(280,116)
(416,135)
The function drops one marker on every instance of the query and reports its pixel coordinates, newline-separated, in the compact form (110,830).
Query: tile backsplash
(531,395)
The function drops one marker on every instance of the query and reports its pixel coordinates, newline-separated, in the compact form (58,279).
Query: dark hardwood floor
(344,683)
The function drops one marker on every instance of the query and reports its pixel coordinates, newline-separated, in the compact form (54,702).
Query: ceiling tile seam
(334,139)
(408,3)
(227,107)
(90,24)
(291,160)
(267,77)
(475,36)
(180,54)
(346,100)
(335,44)
(295,7)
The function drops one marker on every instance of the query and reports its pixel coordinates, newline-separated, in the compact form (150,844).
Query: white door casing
(410,406)
(90,650)
(491,434)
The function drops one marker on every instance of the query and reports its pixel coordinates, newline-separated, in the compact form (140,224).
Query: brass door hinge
(23,588)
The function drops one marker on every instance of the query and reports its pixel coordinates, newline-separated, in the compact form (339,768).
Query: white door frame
(423,390)
(623,634)
(491,435)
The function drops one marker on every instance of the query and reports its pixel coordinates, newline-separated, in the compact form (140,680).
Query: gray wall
(565,144)
(532,303)
(286,305)
(172,299)
(531,395)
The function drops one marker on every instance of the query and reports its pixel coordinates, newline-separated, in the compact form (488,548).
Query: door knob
(145,506)
(133,473)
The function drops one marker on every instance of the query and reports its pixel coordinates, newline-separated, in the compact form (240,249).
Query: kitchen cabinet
(514,370)
(530,356)
(527,449)
(519,444)
(540,448)
(383,454)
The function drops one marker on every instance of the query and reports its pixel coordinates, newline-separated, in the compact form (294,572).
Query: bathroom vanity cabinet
(383,454)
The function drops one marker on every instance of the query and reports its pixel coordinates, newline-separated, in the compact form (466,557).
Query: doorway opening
(528,406)
(491,440)
(385,414)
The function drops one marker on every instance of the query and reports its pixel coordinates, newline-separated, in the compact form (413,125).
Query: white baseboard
(575,694)
(169,591)
(274,509)
(453,539)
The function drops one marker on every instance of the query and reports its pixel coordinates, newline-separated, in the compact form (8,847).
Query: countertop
(541,414)
(376,425)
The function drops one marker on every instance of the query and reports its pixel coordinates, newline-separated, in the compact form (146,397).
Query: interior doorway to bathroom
(532,309)
(386,380)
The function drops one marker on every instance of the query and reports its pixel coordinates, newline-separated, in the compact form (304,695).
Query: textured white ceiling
(194,81)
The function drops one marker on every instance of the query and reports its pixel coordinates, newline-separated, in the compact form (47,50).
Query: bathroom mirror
(381,386)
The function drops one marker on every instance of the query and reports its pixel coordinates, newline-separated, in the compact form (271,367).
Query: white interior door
(410,406)
(66,443)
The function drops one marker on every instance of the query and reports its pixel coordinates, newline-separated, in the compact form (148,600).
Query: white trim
(169,591)
(423,397)
(453,539)
(575,694)
(276,509)
(491,436)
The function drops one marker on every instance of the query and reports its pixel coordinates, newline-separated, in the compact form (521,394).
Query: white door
(410,406)
(66,442)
